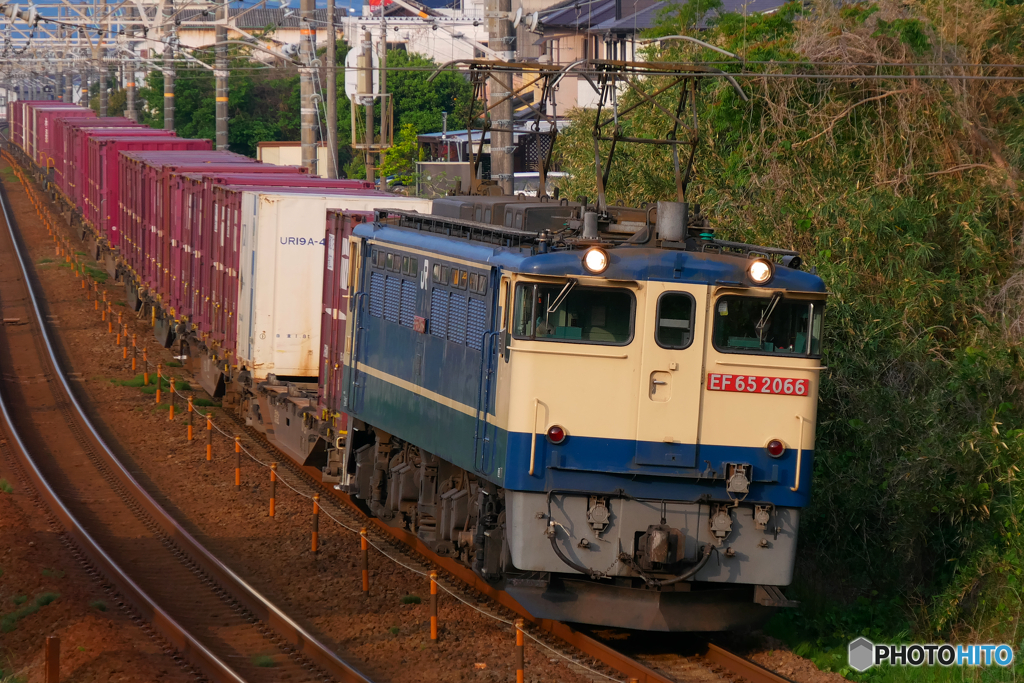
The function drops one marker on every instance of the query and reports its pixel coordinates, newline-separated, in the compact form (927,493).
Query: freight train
(609,415)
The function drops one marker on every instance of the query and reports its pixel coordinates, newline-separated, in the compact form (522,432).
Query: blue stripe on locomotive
(396,357)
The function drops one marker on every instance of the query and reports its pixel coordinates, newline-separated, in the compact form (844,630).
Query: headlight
(595,260)
(760,271)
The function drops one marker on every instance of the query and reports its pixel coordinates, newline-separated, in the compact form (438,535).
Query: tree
(420,103)
(400,159)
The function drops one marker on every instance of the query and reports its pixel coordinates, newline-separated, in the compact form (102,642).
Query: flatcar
(613,420)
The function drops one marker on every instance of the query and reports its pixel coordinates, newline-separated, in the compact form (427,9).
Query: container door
(668,415)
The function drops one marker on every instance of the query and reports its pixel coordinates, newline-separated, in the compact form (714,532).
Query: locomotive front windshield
(777,326)
(568,313)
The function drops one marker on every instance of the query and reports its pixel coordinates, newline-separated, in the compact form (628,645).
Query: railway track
(701,661)
(659,662)
(219,625)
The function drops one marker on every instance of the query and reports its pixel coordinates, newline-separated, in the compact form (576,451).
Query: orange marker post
(135,352)
(145,366)
(316,521)
(365,547)
(238,463)
(273,487)
(520,653)
(433,606)
(209,437)
(158,369)
(189,418)
(170,396)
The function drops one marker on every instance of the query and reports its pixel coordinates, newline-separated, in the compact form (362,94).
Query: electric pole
(169,71)
(308,113)
(59,88)
(366,87)
(331,95)
(129,67)
(221,74)
(101,62)
(499,37)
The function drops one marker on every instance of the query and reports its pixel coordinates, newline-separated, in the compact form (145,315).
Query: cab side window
(674,326)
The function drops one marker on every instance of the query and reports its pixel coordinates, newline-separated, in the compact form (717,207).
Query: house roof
(600,16)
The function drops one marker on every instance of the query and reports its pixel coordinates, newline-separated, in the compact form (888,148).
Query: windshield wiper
(561,296)
(766,316)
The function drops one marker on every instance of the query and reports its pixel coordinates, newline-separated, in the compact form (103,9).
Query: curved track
(665,658)
(658,663)
(218,623)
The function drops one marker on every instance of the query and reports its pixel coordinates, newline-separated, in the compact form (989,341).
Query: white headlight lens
(595,260)
(760,271)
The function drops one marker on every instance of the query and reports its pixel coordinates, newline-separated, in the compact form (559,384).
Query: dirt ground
(386,635)
(99,640)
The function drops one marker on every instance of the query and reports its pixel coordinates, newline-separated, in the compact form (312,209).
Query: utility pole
(169,74)
(221,74)
(129,67)
(101,57)
(499,36)
(331,95)
(59,88)
(308,113)
(366,86)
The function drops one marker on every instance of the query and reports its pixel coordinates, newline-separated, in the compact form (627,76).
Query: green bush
(914,223)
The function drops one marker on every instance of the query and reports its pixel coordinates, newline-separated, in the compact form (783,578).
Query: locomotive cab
(616,427)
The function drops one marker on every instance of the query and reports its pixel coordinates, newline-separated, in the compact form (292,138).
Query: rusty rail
(188,645)
(742,667)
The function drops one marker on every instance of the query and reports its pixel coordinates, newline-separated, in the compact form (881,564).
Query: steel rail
(621,662)
(742,667)
(618,661)
(303,641)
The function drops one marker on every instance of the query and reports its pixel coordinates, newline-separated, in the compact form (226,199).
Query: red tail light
(556,434)
(775,448)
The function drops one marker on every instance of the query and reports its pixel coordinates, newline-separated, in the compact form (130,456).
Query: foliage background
(906,196)
(263,104)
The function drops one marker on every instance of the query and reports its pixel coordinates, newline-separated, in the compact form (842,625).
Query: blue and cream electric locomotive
(610,415)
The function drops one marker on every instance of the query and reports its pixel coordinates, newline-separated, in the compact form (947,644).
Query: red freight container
(224,250)
(104,151)
(58,145)
(49,138)
(38,129)
(335,310)
(18,111)
(92,172)
(189,193)
(76,152)
(219,265)
(144,196)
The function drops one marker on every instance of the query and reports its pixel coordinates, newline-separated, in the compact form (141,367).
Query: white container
(280,280)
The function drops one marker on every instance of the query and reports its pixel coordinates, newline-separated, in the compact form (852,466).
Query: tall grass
(906,196)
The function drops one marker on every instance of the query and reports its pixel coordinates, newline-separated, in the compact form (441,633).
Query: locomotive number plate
(752,384)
